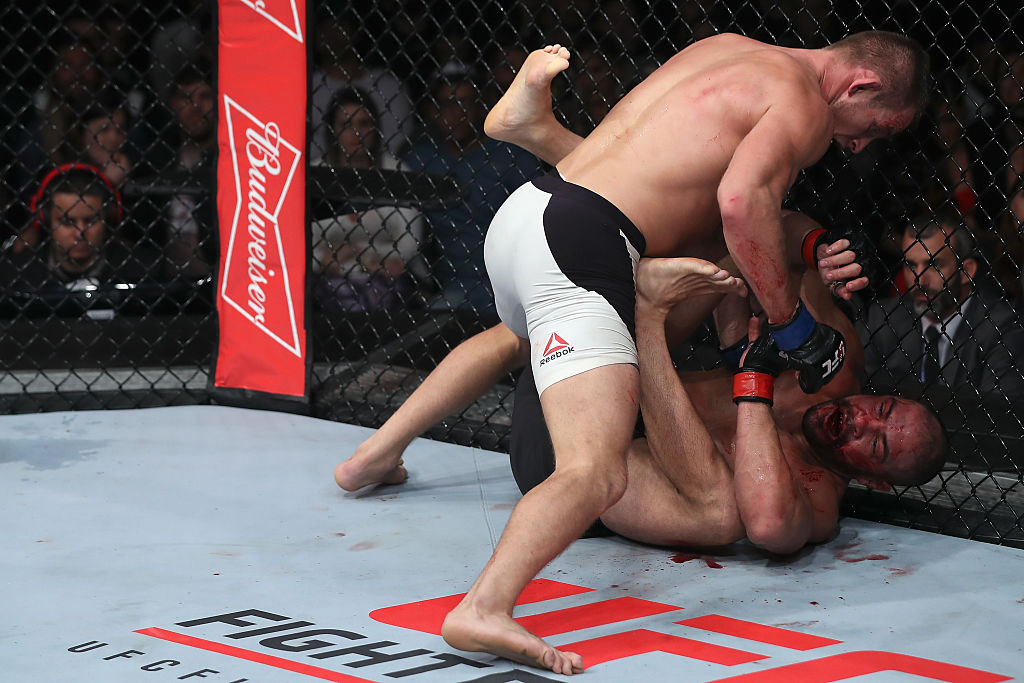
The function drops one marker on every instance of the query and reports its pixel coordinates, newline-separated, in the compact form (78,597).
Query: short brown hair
(900,62)
(949,223)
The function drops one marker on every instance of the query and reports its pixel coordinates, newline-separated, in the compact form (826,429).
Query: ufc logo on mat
(427,616)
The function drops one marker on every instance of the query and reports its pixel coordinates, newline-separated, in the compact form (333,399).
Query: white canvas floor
(211,543)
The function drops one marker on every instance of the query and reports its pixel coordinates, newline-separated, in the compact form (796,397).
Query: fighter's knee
(615,486)
(605,484)
(720,523)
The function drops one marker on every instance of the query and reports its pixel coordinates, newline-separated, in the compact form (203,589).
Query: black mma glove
(815,351)
(755,380)
(871,265)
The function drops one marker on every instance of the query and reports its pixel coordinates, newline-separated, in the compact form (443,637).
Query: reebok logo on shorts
(556,348)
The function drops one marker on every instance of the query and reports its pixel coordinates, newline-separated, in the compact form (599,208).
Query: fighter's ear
(867,82)
(876,484)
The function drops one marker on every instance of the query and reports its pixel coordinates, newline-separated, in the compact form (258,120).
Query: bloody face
(866,436)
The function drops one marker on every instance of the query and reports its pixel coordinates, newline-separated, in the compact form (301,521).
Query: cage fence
(403,183)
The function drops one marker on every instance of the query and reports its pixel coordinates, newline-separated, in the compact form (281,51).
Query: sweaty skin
(662,153)
(700,155)
(714,137)
(683,491)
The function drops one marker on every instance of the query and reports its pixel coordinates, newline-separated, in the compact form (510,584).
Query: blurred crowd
(109,135)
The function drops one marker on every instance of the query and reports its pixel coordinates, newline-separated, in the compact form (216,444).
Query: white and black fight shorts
(562,262)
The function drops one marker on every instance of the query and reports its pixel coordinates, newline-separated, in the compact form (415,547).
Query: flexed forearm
(774,507)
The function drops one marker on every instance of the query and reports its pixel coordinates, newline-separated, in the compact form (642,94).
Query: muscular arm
(732,313)
(750,195)
(836,262)
(776,510)
(781,508)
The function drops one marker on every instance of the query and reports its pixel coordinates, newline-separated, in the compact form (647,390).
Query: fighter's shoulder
(788,86)
(788,90)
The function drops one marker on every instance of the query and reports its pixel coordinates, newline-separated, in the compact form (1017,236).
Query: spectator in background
(77,211)
(599,83)
(695,21)
(365,260)
(616,25)
(113,42)
(72,83)
(190,243)
(486,169)
(120,52)
(1015,216)
(1011,93)
(111,139)
(948,330)
(503,61)
(100,138)
(183,38)
(952,156)
(1011,236)
(75,81)
(977,71)
(995,143)
(339,63)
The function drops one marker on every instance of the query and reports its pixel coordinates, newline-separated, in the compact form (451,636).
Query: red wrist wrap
(753,386)
(808,249)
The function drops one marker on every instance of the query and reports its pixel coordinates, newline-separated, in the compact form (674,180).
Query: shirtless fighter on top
(771,468)
(695,159)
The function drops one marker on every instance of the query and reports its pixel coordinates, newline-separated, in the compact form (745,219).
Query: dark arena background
(390,276)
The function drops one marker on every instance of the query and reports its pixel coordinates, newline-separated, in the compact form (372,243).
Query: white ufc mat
(211,543)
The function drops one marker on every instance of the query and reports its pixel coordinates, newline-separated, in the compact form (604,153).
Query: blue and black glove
(815,351)
(732,355)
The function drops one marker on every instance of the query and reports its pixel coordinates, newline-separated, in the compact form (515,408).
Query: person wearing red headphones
(76,211)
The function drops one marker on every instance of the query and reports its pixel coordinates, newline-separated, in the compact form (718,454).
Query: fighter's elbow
(777,536)
(742,209)
(734,203)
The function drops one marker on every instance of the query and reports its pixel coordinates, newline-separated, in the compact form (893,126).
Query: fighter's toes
(558,51)
(398,475)
(359,471)
(570,663)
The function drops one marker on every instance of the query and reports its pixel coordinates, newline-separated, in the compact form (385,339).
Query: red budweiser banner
(261,197)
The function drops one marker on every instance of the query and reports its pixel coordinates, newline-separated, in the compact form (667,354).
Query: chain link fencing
(403,184)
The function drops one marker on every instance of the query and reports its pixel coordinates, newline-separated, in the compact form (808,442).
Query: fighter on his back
(715,137)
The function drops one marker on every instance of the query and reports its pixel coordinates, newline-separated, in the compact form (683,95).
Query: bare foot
(370,465)
(664,282)
(526,108)
(467,629)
